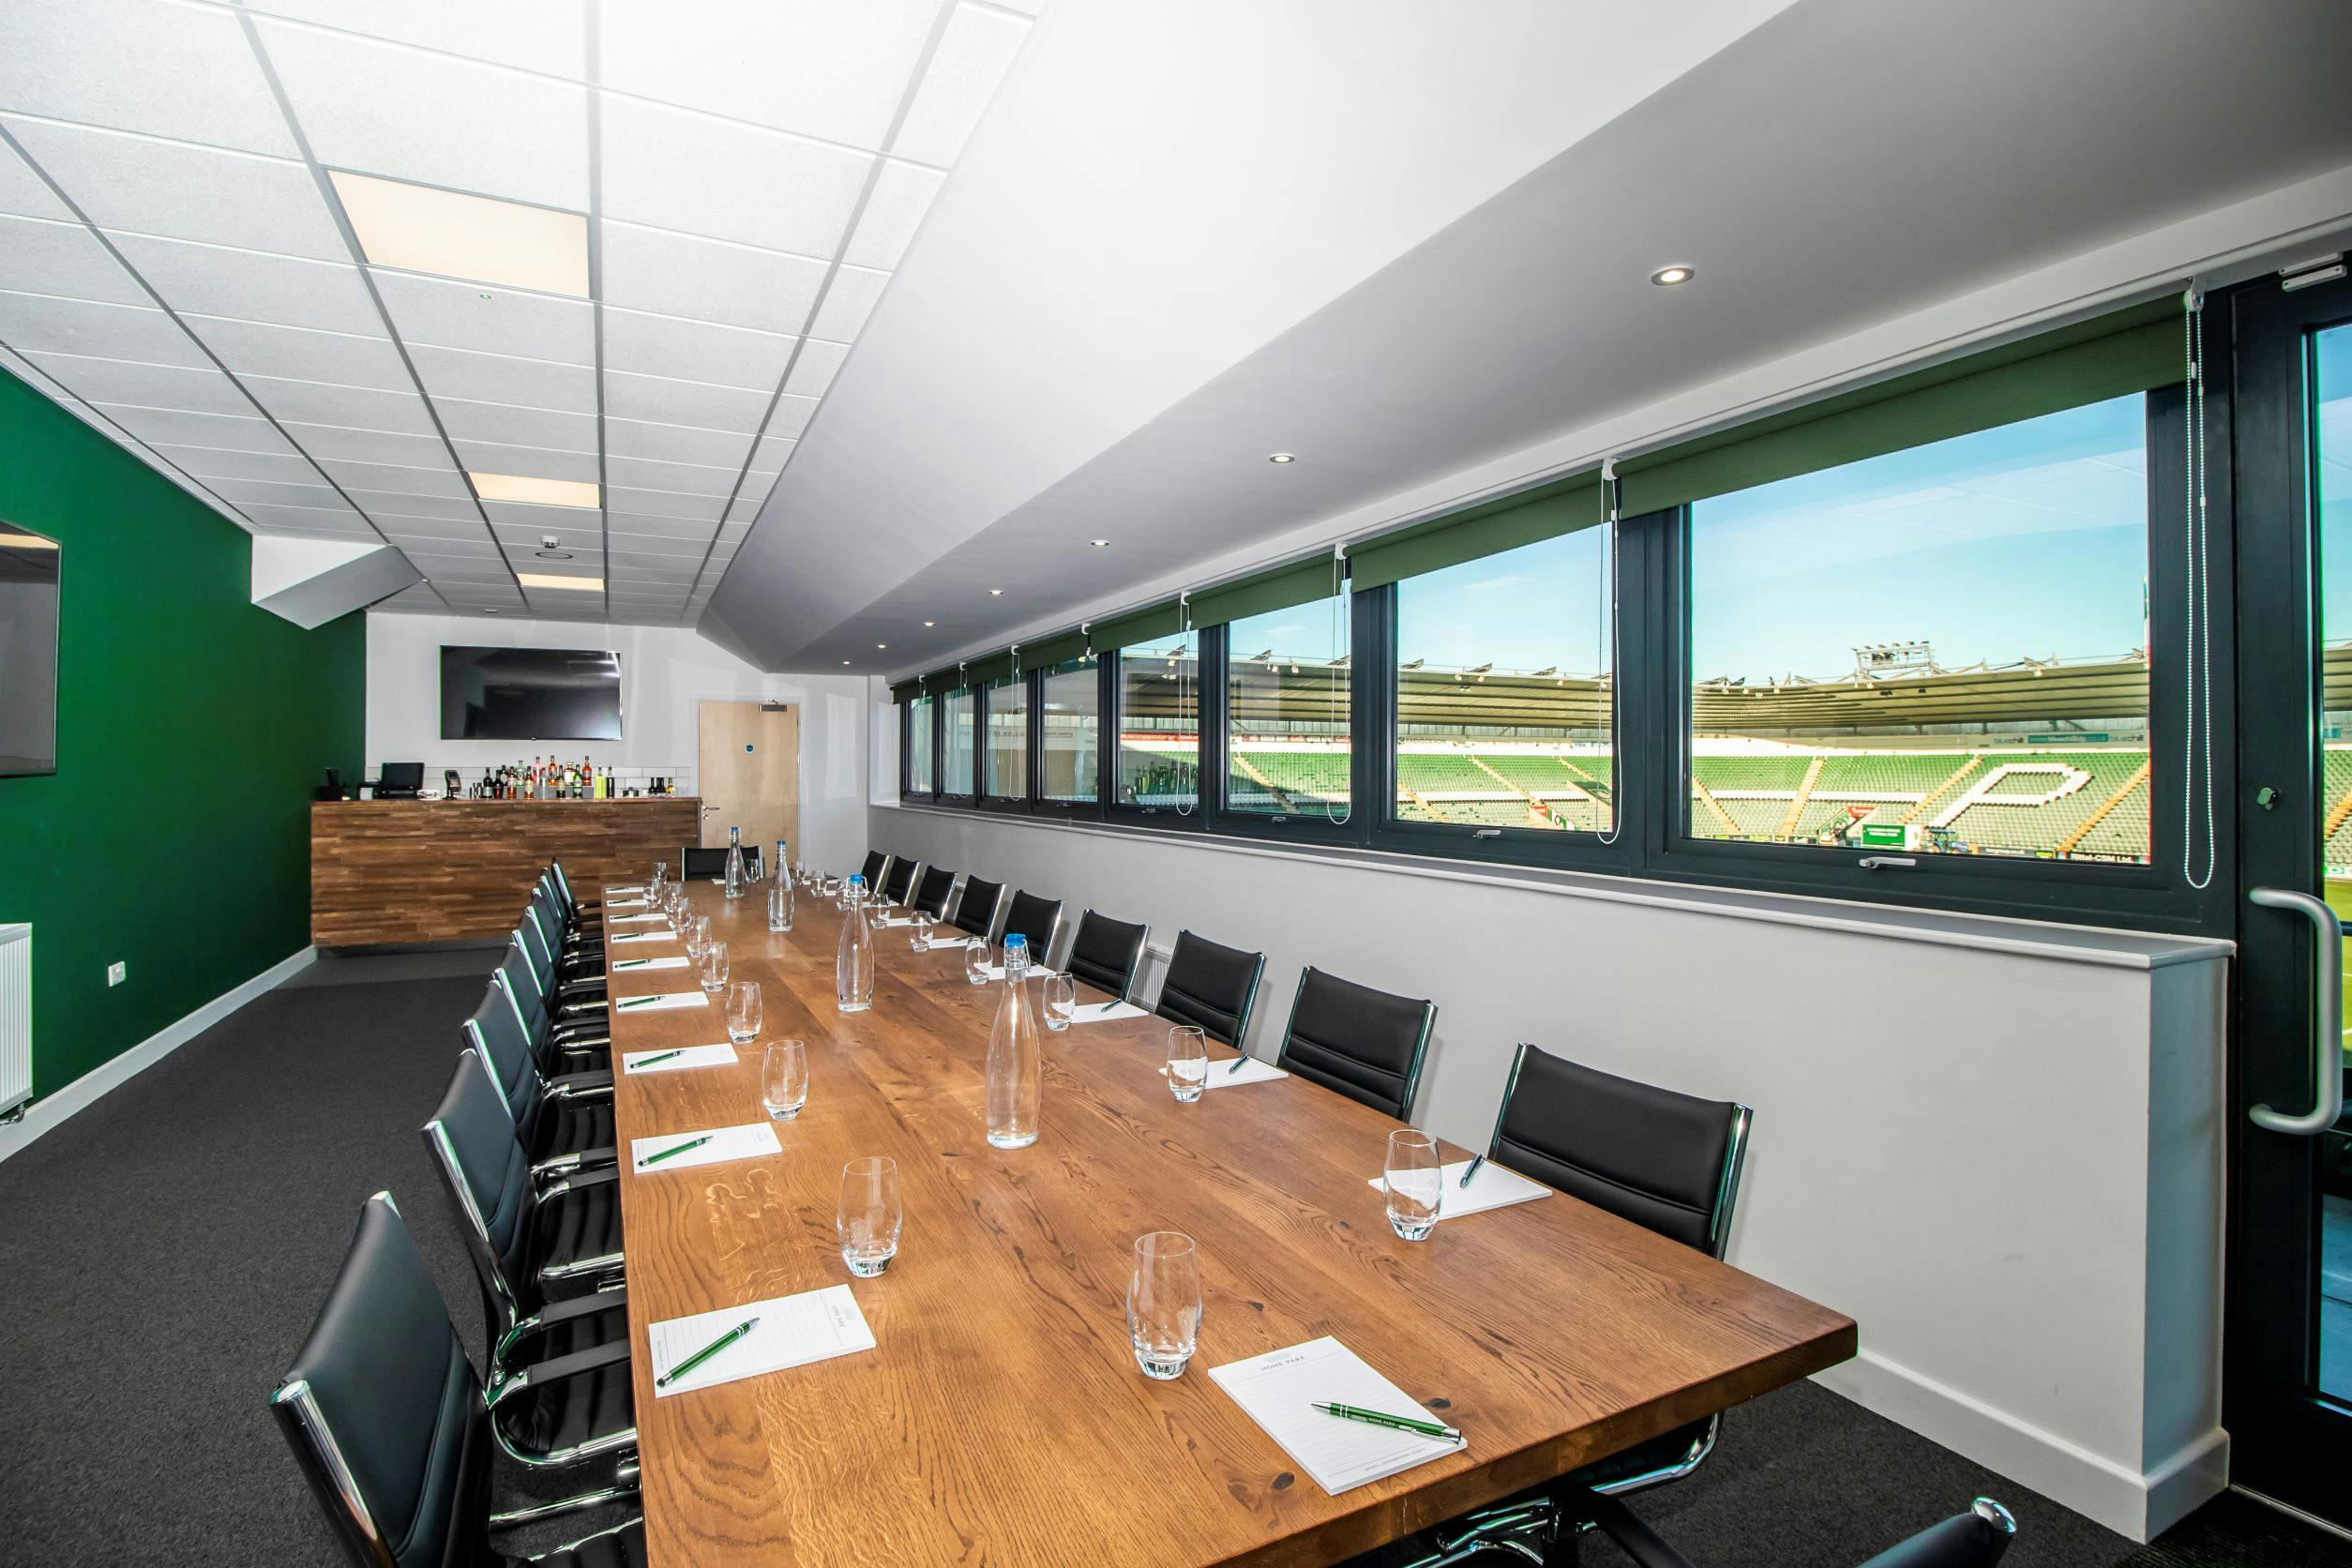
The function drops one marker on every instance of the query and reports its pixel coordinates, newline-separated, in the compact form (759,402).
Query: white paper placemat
(678,1059)
(1493,1188)
(675,960)
(1280,1389)
(748,1141)
(661,1001)
(790,1331)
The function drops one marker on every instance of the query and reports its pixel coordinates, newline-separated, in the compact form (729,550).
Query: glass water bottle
(1016,1055)
(738,878)
(854,970)
(779,902)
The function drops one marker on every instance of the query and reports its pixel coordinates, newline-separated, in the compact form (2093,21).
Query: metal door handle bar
(2327,1016)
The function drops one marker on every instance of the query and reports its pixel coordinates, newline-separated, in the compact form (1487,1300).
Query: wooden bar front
(387,871)
(1002,1419)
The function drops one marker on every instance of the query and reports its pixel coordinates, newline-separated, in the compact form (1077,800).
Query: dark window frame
(1040,802)
(908,790)
(947,796)
(984,796)
(1308,827)
(1168,818)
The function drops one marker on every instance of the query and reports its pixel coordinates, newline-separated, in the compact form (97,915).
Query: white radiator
(16,1015)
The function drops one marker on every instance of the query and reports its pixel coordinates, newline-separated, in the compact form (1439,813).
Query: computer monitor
(401,781)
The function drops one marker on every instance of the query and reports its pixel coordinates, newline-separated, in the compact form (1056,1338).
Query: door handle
(2327,1017)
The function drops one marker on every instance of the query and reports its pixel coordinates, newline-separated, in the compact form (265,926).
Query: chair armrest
(577,1161)
(579,1364)
(603,1176)
(556,1313)
(594,1083)
(1636,1539)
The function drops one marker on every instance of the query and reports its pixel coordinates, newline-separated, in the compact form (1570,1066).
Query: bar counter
(398,871)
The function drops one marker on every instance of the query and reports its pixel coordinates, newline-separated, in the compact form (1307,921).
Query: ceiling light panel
(143,184)
(182,72)
(539,493)
(538,461)
(450,233)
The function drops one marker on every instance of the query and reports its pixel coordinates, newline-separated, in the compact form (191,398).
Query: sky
(2332,369)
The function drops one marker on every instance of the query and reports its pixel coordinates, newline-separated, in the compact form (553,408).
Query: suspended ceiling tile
(146,186)
(487,319)
(665,503)
(847,303)
(399,479)
(658,400)
(903,192)
(64,260)
(176,426)
(391,504)
(536,462)
(835,69)
(452,535)
(342,444)
(687,478)
(654,531)
(545,35)
(704,279)
(251,285)
(693,350)
(119,381)
(516,427)
(676,169)
(645,560)
(971,61)
(167,69)
(292,528)
(790,417)
(492,378)
(358,408)
(300,353)
(24,194)
(206,462)
(33,323)
(636,438)
(747,507)
(814,370)
(775,450)
(537,519)
(271,492)
(385,109)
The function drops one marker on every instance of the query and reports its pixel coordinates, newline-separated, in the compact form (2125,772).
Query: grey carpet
(165,1250)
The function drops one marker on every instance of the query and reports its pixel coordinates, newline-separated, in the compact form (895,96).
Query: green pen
(637,1000)
(633,963)
(644,1062)
(1396,1423)
(706,1353)
(674,1149)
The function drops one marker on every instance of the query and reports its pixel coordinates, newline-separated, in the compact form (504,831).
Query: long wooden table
(1002,1419)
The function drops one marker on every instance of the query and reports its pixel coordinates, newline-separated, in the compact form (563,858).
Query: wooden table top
(1002,1419)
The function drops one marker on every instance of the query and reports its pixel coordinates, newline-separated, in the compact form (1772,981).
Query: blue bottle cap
(857,880)
(1014,940)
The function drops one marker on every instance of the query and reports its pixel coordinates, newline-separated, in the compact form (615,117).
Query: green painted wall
(191,728)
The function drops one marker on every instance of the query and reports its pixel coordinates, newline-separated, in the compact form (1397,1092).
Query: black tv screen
(530,694)
(28,650)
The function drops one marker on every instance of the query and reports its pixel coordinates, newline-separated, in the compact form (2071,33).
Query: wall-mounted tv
(530,694)
(29,565)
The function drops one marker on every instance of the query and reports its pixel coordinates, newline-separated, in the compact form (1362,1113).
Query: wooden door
(748,767)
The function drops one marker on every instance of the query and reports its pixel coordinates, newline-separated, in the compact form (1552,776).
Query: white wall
(1997,1145)
(665,671)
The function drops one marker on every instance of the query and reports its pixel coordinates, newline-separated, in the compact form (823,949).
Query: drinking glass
(714,967)
(1416,1183)
(1061,1002)
(921,940)
(742,1012)
(1164,1302)
(870,1214)
(784,1079)
(700,926)
(1188,1063)
(976,960)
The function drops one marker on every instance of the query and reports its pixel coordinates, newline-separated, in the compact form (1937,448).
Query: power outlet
(118,972)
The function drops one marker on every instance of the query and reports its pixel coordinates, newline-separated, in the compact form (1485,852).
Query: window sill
(2036,939)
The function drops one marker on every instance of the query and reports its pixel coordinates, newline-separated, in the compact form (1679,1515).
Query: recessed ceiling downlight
(1283,457)
(1666,277)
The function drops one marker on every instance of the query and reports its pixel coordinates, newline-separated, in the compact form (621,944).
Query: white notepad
(1105,1012)
(894,920)
(793,1331)
(675,960)
(661,1001)
(636,919)
(678,1059)
(1224,1075)
(1279,1391)
(942,945)
(625,903)
(624,892)
(645,935)
(748,1141)
(1493,1188)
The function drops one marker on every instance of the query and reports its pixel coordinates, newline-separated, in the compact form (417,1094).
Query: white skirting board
(2130,1502)
(42,1115)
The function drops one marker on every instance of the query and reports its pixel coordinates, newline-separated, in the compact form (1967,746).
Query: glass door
(2289,1391)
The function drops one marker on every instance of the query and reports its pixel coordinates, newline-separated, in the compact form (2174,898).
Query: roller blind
(1047,652)
(1281,588)
(994,668)
(1562,507)
(1142,625)
(907,692)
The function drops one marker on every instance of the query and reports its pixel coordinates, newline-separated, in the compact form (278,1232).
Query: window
(1286,706)
(1943,651)
(1071,732)
(957,778)
(1505,706)
(1008,738)
(920,779)
(1160,723)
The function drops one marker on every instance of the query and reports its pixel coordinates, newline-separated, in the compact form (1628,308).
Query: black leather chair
(1975,1539)
(932,891)
(877,866)
(568,979)
(529,1243)
(975,911)
(390,1426)
(1213,986)
(580,1041)
(1106,953)
(568,1114)
(1365,1044)
(1668,1162)
(899,880)
(1037,919)
(712,863)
